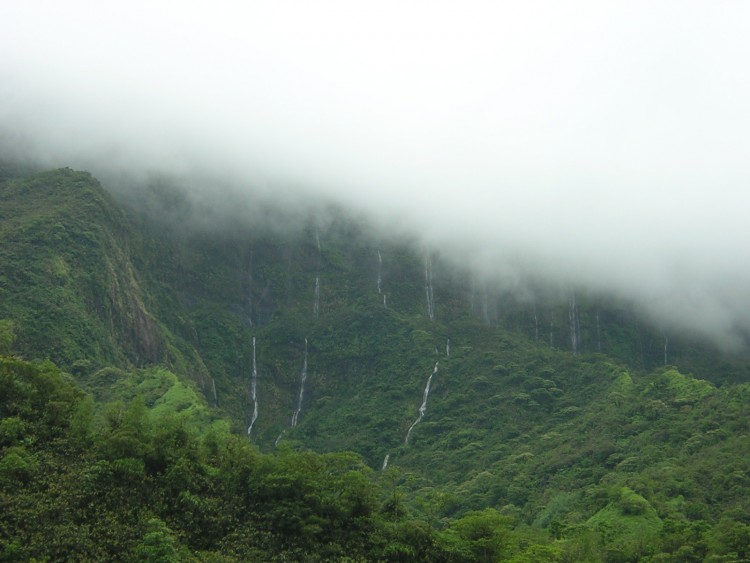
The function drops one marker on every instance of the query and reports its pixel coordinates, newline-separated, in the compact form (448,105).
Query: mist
(597,144)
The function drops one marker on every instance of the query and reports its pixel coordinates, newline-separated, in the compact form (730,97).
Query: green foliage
(68,280)
(730,540)
(485,535)
(150,487)
(158,544)
(626,526)
(16,467)
(678,388)
(7,336)
(526,452)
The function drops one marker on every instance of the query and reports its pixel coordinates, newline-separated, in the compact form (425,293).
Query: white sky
(606,143)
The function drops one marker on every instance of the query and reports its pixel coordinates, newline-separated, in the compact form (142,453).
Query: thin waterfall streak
(213,387)
(385,462)
(255,417)
(253,392)
(300,398)
(448,347)
(316,304)
(423,406)
(278,439)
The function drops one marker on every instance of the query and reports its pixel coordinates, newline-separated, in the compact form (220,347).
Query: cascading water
(385,301)
(278,439)
(303,378)
(448,347)
(423,407)
(253,392)
(316,304)
(380,273)
(428,288)
(213,387)
(385,461)
(575,328)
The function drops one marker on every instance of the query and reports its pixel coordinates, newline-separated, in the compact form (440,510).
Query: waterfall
(575,327)
(278,439)
(380,273)
(303,378)
(253,392)
(385,461)
(428,288)
(423,407)
(316,304)
(448,347)
(213,387)
(385,301)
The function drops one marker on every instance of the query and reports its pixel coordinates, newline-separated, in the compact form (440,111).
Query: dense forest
(179,385)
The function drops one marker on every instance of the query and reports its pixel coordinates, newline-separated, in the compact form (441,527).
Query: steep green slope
(67,277)
(555,408)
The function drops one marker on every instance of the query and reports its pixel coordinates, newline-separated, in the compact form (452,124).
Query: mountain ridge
(533,399)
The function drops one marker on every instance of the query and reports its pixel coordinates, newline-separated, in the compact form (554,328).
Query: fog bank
(597,143)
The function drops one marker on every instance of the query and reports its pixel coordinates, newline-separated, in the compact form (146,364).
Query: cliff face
(68,279)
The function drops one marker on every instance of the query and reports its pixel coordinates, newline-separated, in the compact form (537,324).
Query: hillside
(559,423)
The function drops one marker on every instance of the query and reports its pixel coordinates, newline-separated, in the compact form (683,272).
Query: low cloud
(599,144)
